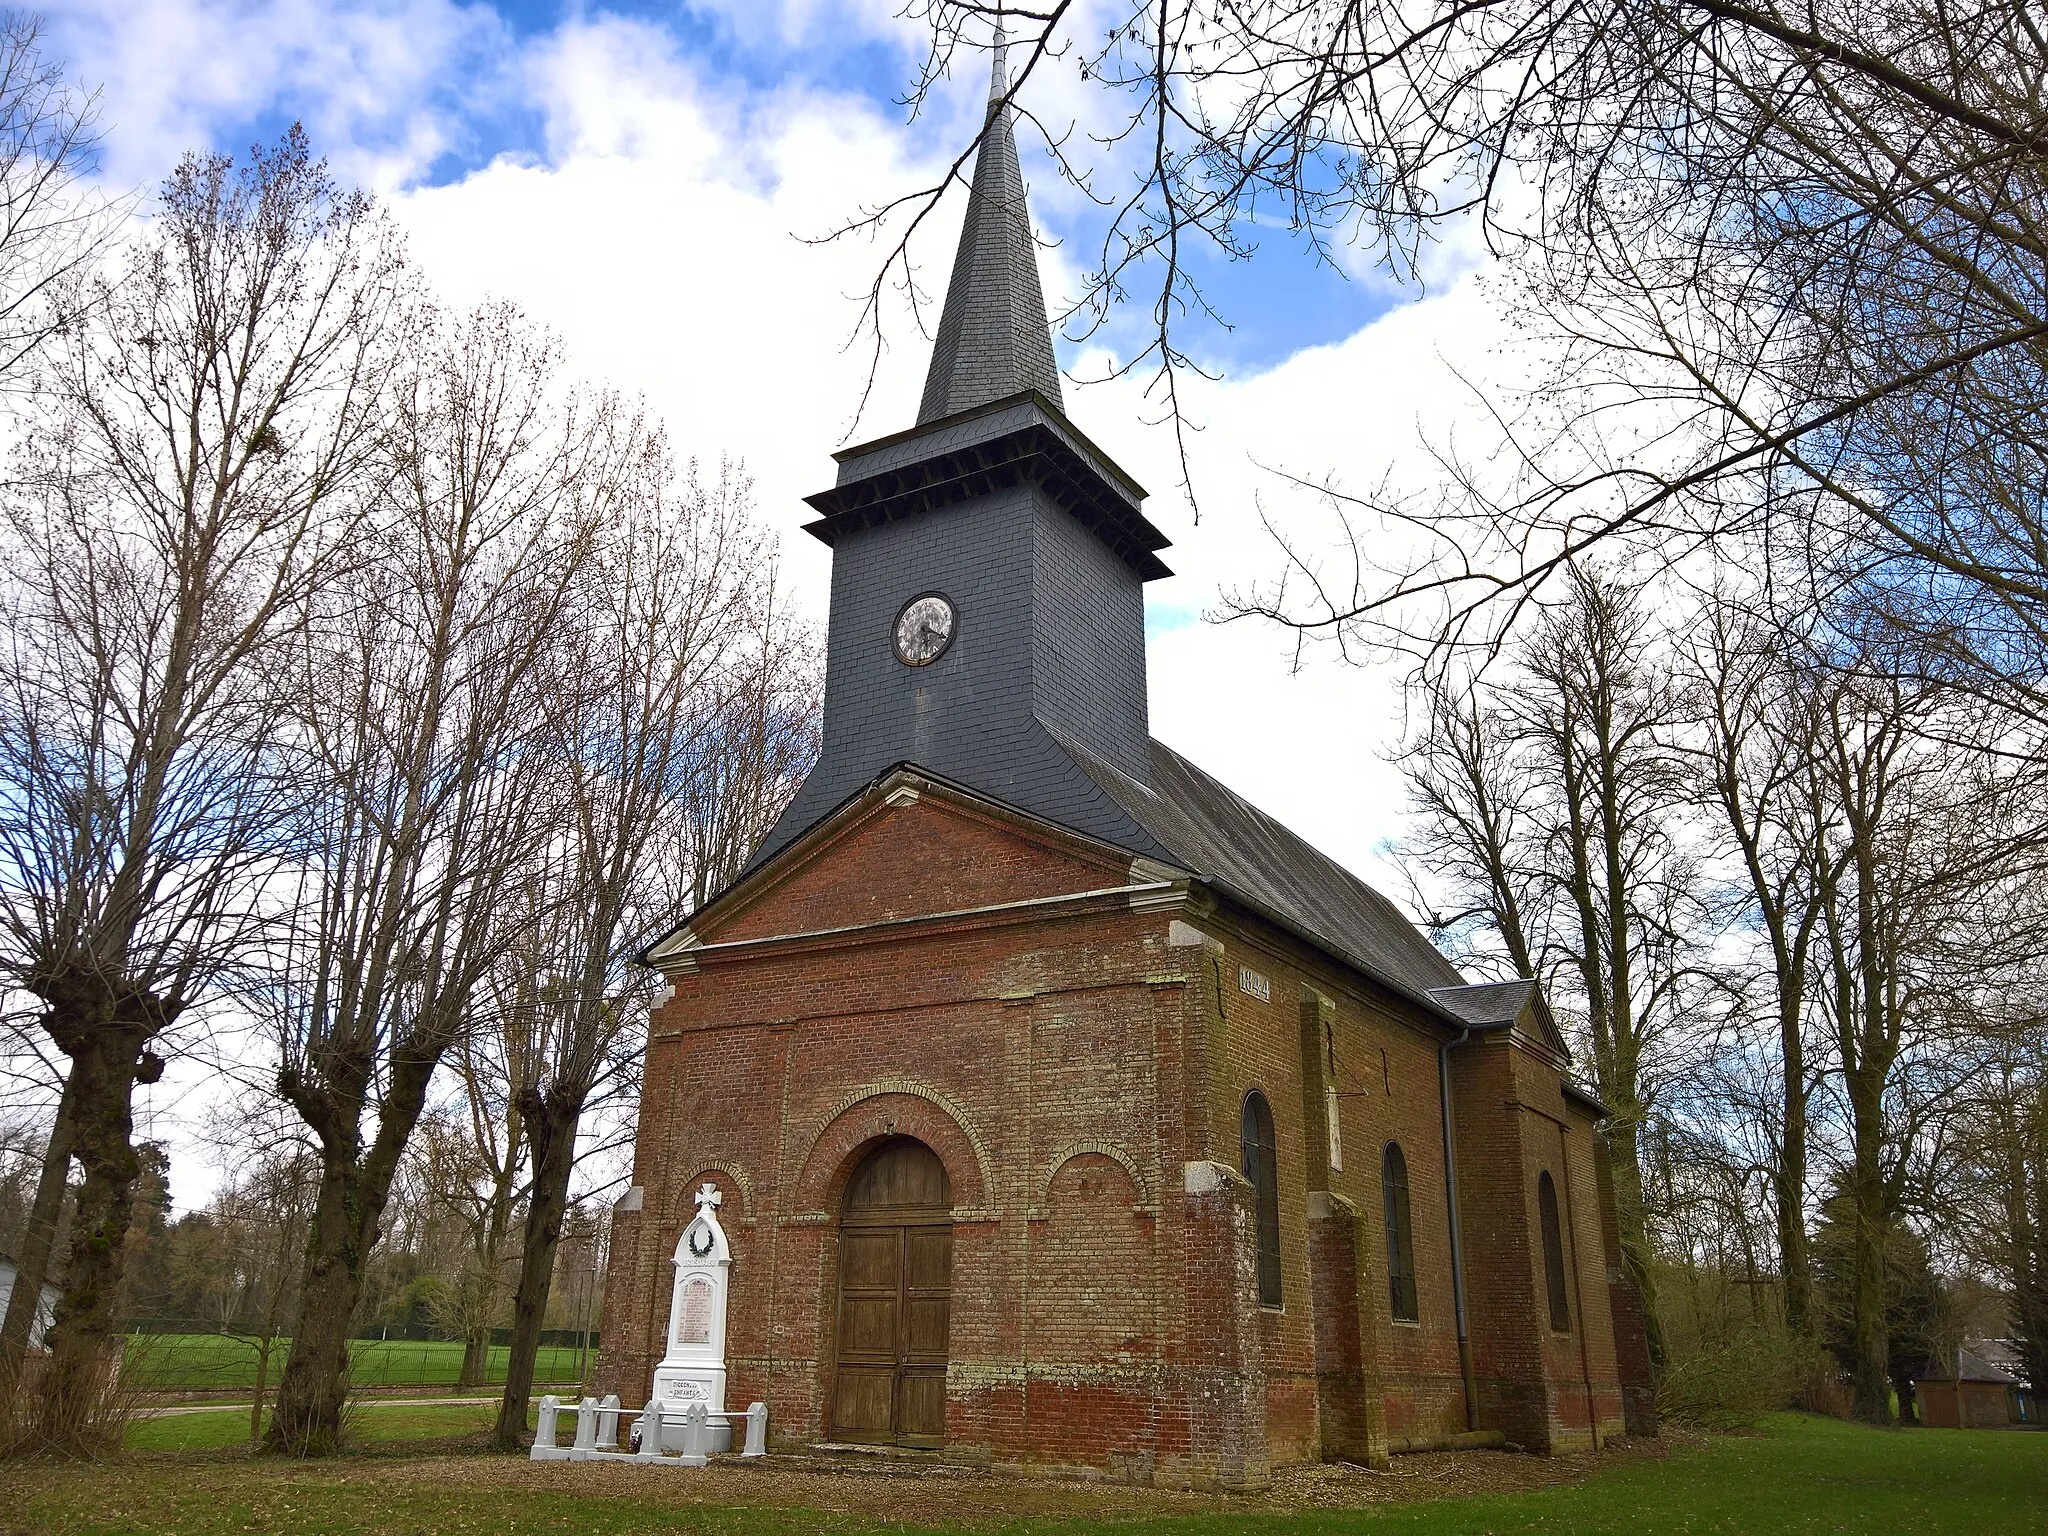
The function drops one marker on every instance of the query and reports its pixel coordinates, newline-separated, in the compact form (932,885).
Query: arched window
(1262,1169)
(1553,1252)
(1401,1298)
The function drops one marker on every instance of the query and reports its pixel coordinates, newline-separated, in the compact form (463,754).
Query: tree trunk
(106,1066)
(476,1356)
(1624,1139)
(551,1129)
(1793,1258)
(263,1348)
(1870,1383)
(314,1386)
(32,1272)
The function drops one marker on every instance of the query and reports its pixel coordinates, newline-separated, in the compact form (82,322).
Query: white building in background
(44,1313)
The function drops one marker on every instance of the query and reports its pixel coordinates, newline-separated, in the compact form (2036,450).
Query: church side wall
(1081,1073)
(1547,1388)
(1385,1077)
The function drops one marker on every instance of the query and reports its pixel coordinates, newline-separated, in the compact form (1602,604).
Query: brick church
(1067,1109)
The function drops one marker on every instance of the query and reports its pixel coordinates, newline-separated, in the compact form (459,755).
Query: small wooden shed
(1975,1390)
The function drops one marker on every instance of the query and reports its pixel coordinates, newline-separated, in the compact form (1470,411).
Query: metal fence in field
(215,1361)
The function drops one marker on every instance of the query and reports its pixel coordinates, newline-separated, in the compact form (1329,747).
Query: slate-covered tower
(995,503)
(1066,1108)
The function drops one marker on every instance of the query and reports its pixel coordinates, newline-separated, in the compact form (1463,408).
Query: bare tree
(418,709)
(1551,808)
(39,1238)
(1760,719)
(2002,1157)
(1933,839)
(183,480)
(474,1161)
(53,224)
(51,227)
(659,689)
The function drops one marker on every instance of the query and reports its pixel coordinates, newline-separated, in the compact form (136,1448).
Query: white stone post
(696,1435)
(586,1430)
(757,1430)
(650,1430)
(608,1422)
(544,1428)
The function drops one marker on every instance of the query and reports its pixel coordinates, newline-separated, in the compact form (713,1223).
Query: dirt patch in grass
(951,1495)
(452,1486)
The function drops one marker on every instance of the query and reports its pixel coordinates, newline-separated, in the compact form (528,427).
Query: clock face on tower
(924,629)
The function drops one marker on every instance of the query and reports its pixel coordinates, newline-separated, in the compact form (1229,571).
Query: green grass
(208,1360)
(373,1424)
(1800,1477)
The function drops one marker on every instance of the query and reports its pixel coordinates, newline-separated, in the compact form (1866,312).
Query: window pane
(1402,1300)
(1553,1252)
(1262,1172)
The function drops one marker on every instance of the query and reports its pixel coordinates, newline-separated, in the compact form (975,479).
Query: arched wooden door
(895,1298)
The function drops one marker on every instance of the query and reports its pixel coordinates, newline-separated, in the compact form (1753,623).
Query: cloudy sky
(641,178)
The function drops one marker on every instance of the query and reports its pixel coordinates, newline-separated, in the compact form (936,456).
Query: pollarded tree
(190,465)
(659,687)
(418,706)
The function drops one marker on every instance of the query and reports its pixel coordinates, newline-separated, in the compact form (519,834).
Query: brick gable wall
(1080,1069)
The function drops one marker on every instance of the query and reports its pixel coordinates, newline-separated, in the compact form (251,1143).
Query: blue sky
(466,79)
(635,178)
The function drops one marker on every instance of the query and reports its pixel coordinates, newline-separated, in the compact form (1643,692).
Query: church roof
(993,338)
(1214,832)
(1487,1002)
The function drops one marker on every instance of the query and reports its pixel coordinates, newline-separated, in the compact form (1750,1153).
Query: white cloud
(379,83)
(657,233)
(658,239)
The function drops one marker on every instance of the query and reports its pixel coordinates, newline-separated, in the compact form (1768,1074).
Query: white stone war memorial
(685,1421)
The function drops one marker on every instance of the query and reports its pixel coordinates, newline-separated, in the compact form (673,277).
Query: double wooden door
(895,1300)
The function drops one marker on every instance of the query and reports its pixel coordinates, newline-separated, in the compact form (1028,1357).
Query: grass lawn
(1799,1476)
(375,1424)
(211,1360)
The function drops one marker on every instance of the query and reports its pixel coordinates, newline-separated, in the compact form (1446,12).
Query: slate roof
(993,338)
(1971,1366)
(1487,1003)
(1216,833)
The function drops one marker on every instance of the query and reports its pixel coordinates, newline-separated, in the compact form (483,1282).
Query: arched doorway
(895,1298)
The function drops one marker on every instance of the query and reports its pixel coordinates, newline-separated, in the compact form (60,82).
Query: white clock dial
(924,629)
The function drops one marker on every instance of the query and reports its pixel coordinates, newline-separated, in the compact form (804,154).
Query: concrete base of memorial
(673,1433)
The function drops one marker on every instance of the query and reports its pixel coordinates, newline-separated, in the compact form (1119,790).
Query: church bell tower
(988,564)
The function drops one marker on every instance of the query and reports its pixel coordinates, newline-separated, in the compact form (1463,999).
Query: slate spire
(993,336)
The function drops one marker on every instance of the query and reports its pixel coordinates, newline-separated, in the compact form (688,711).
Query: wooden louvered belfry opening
(895,1298)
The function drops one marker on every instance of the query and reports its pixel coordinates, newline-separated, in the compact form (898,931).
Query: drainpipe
(1443,1079)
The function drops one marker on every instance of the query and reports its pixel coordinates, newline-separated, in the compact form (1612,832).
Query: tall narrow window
(1401,1298)
(1262,1169)
(1553,1252)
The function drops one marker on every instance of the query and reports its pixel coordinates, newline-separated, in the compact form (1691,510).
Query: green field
(201,1361)
(1799,1477)
(371,1424)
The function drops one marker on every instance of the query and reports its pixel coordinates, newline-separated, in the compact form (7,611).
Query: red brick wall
(1080,1070)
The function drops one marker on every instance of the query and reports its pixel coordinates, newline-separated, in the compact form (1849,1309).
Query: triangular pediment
(908,846)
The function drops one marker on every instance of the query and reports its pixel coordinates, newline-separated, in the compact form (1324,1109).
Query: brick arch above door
(895,1107)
